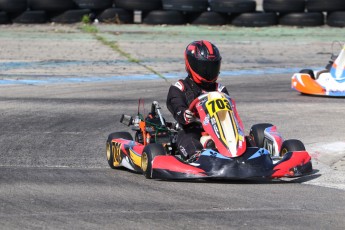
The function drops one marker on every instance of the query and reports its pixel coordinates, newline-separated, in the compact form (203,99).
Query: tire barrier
(255,19)
(142,5)
(336,19)
(186,5)
(233,6)
(283,6)
(13,6)
(158,17)
(31,17)
(51,5)
(207,18)
(116,16)
(94,4)
(243,13)
(325,5)
(4,19)
(70,16)
(302,19)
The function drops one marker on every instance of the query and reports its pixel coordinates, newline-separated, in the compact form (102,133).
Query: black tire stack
(307,12)
(62,11)
(210,12)
(242,13)
(11,8)
(334,10)
(292,13)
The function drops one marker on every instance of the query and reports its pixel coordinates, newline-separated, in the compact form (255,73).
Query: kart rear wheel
(113,156)
(290,146)
(257,133)
(149,153)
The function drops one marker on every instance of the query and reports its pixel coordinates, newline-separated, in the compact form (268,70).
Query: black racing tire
(116,15)
(158,17)
(255,19)
(308,71)
(4,19)
(336,19)
(186,5)
(149,153)
(71,16)
(302,19)
(13,6)
(233,6)
(283,6)
(325,5)
(110,148)
(31,17)
(143,5)
(207,18)
(124,135)
(51,5)
(290,146)
(257,133)
(94,4)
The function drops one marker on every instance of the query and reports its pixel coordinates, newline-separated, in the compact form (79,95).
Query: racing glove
(189,116)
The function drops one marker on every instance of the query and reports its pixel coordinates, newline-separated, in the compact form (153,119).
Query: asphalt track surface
(54,174)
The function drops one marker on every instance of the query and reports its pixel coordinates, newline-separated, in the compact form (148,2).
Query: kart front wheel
(290,146)
(257,133)
(149,153)
(113,150)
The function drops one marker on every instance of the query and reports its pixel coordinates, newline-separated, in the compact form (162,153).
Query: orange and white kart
(327,82)
(228,153)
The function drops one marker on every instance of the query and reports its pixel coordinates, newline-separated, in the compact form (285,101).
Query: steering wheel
(192,107)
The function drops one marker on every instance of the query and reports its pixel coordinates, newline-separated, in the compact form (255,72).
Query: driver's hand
(189,116)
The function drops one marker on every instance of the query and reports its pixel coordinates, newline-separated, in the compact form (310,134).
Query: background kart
(327,82)
(228,153)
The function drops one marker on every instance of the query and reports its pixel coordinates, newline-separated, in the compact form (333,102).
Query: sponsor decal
(183,151)
(206,120)
(179,85)
(215,128)
(336,93)
(220,87)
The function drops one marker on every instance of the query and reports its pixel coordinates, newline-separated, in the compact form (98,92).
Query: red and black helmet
(202,61)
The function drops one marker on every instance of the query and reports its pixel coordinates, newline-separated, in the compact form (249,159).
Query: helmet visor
(208,70)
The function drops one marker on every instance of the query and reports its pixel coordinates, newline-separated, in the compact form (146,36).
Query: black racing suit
(180,95)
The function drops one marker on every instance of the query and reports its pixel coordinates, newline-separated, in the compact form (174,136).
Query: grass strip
(114,46)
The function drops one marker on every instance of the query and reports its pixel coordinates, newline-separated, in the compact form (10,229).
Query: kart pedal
(194,157)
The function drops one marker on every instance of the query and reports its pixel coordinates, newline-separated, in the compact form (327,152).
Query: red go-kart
(228,153)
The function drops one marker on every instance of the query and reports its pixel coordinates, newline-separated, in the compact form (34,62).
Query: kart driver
(203,60)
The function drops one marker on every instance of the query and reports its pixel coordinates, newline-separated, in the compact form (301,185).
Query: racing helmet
(203,61)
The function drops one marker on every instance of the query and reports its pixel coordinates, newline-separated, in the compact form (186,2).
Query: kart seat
(153,120)
(321,72)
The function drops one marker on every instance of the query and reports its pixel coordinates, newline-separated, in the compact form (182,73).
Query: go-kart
(228,153)
(327,82)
